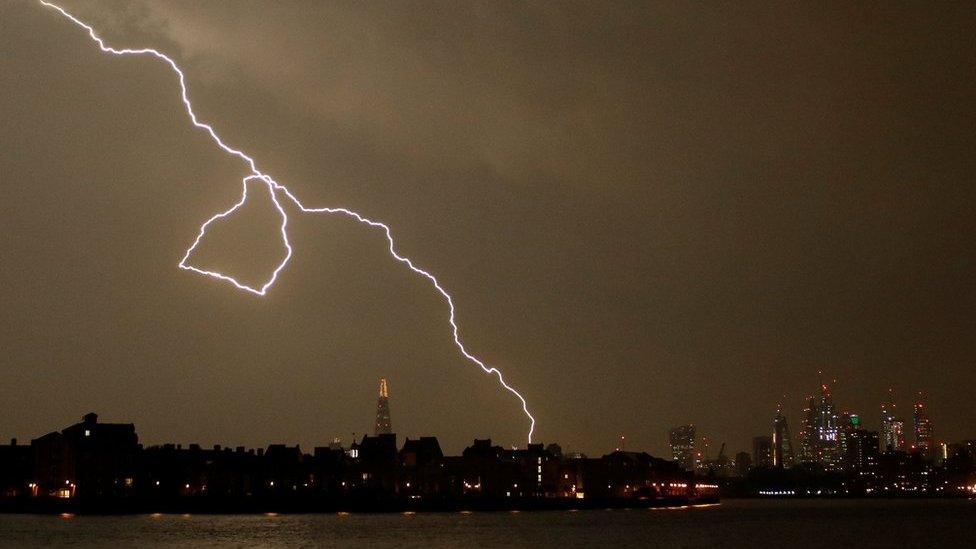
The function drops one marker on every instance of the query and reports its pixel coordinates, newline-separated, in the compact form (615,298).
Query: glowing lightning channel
(274,188)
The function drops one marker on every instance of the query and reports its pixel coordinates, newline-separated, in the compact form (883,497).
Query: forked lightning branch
(280,194)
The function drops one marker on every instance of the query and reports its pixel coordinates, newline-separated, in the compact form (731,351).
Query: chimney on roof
(90,418)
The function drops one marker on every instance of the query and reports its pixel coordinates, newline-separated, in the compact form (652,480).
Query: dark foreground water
(734,523)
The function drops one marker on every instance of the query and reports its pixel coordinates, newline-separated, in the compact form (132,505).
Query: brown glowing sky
(648,215)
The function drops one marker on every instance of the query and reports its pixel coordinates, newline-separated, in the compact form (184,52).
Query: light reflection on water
(793,523)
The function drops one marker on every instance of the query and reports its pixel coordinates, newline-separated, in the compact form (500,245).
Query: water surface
(734,523)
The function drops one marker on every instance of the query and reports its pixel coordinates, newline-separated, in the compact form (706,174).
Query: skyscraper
(827,431)
(782,441)
(806,436)
(892,427)
(922,426)
(848,423)
(383,424)
(682,439)
(862,450)
(819,440)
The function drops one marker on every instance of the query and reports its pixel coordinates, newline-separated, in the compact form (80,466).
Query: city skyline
(821,438)
(99,465)
(689,437)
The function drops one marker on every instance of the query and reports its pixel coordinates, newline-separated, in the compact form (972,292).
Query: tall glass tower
(782,441)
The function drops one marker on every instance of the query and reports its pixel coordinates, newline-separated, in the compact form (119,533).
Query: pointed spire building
(383,424)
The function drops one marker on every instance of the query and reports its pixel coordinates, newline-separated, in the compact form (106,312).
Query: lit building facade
(922,427)
(848,422)
(820,437)
(682,440)
(892,428)
(862,450)
(383,424)
(782,442)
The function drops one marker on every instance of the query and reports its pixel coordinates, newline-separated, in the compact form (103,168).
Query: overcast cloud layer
(648,214)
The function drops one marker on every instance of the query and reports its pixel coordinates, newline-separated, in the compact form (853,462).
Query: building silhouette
(682,440)
(762,452)
(88,459)
(743,462)
(101,468)
(375,470)
(16,464)
(383,424)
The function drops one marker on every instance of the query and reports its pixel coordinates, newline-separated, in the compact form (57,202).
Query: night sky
(647,214)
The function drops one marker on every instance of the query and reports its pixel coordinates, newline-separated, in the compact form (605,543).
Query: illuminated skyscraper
(682,439)
(892,427)
(819,440)
(828,432)
(383,424)
(782,441)
(805,436)
(887,417)
(922,426)
(848,423)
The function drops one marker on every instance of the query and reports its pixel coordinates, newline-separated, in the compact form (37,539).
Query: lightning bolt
(279,193)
